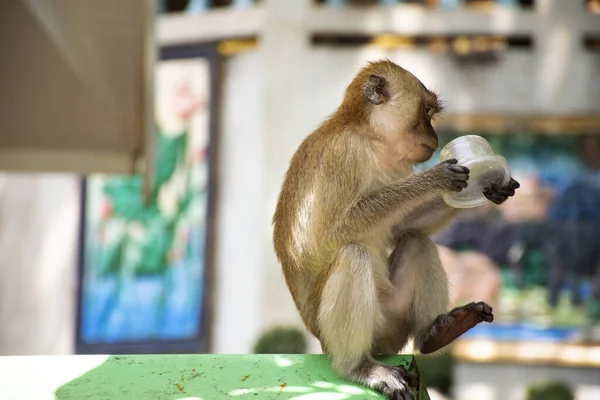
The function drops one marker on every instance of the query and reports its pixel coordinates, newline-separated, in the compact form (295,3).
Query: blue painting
(144,262)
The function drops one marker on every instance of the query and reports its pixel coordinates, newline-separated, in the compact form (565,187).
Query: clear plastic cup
(486,168)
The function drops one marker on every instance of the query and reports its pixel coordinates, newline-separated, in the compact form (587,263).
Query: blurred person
(472,275)
(531,203)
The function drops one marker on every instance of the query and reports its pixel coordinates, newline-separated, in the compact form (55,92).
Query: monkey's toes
(399,395)
(479,312)
(397,385)
(483,312)
(411,379)
(396,394)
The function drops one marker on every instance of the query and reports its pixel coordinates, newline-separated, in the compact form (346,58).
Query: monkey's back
(318,187)
(296,217)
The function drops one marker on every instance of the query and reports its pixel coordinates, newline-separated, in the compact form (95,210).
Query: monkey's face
(402,109)
(422,136)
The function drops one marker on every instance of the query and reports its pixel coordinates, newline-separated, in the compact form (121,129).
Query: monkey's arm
(436,214)
(428,218)
(399,200)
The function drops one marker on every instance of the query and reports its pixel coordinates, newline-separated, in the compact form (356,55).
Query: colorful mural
(144,263)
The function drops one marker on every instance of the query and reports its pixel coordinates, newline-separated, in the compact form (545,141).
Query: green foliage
(170,152)
(155,248)
(593,310)
(508,278)
(150,254)
(281,340)
(126,196)
(110,259)
(534,271)
(437,371)
(551,390)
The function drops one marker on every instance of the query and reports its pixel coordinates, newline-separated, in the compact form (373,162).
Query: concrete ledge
(198,377)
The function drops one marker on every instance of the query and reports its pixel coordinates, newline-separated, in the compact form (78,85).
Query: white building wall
(240,208)
(39,217)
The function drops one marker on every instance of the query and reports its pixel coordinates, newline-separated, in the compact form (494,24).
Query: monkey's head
(398,107)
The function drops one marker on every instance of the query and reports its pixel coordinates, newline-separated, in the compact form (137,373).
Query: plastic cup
(486,168)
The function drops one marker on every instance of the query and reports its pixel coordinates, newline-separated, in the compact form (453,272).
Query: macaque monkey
(352,226)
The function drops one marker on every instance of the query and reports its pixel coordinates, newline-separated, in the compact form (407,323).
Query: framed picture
(535,258)
(145,266)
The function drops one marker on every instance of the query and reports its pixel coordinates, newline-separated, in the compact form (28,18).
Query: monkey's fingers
(457,172)
(450,161)
(513,184)
(459,185)
(495,198)
(498,192)
(459,169)
(506,190)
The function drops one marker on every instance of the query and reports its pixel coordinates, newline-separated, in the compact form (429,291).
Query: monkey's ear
(376,90)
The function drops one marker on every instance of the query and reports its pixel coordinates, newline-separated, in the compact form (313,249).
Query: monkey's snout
(429,147)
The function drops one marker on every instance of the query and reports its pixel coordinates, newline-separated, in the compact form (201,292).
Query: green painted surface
(214,377)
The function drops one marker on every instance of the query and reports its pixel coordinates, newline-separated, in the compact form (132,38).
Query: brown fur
(349,197)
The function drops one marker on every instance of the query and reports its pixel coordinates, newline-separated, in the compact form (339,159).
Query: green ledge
(192,377)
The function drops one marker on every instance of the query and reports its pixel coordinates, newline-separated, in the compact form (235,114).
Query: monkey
(352,223)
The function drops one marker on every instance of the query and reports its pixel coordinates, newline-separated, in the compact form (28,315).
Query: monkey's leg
(390,339)
(348,315)
(420,282)
(417,271)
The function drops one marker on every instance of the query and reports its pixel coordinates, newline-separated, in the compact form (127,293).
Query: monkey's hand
(450,175)
(499,194)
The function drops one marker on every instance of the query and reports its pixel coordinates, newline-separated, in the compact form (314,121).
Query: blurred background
(136,196)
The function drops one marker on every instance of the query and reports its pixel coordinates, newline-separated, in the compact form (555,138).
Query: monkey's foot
(394,382)
(447,327)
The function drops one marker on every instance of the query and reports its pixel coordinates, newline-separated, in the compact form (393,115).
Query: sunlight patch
(324,385)
(283,362)
(272,389)
(350,389)
(321,396)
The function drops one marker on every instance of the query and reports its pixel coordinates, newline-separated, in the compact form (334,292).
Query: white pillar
(561,59)
(285,43)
